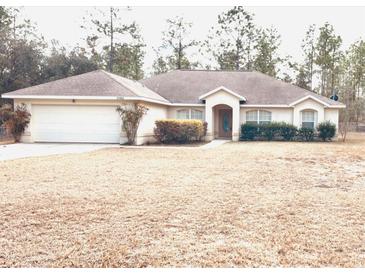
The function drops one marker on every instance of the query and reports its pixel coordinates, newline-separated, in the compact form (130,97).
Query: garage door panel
(95,124)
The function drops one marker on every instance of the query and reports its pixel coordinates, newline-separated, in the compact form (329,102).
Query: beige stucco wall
(156,111)
(311,105)
(332,115)
(145,130)
(292,115)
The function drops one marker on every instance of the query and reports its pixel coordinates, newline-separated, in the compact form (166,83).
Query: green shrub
(288,131)
(326,130)
(306,134)
(248,131)
(179,131)
(270,131)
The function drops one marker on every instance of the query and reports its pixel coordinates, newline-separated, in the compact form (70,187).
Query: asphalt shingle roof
(179,86)
(95,83)
(185,86)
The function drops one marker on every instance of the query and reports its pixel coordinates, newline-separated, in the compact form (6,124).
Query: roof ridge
(107,73)
(213,70)
(126,85)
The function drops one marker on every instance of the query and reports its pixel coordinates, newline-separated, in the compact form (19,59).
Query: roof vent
(334,96)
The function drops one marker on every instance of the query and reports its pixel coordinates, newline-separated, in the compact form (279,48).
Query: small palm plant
(15,122)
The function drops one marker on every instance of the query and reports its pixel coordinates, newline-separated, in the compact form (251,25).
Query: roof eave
(337,106)
(205,95)
(265,106)
(150,100)
(309,97)
(58,97)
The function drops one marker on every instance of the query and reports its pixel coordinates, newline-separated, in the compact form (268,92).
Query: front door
(225,123)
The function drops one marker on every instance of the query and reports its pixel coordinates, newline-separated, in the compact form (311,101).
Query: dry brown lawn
(241,204)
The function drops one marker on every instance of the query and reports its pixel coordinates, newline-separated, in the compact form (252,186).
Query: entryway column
(210,120)
(235,121)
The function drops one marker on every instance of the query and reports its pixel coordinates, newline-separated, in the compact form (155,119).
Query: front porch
(222,122)
(222,113)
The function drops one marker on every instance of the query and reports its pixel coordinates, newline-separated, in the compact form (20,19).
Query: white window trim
(191,113)
(258,116)
(222,88)
(315,117)
(183,109)
(309,97)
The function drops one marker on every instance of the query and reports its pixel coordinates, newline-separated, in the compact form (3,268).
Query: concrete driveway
(20,150)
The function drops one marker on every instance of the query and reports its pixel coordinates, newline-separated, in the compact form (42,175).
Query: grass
(240,204)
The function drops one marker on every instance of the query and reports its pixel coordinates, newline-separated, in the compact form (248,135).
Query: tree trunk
(311,67)
(333,72)
(111,54)
(237,65)
(248,66)
(179,56)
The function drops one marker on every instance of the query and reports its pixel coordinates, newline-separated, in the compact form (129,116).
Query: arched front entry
(222,113)
(222,121)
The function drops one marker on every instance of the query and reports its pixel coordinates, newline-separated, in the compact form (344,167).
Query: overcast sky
(63,23)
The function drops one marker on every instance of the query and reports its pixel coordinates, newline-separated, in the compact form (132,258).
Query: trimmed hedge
(288,132)
(326,130)
(270,131)
(179,131)
(284,131)
(306,134)
(248,132)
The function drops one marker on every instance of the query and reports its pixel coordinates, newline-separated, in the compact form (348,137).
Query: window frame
(180,111)
(315,118)
(258,120)
(196,110)
(261,121)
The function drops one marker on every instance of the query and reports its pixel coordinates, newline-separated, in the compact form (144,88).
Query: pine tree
(233,40)
(267,58)
(120,43)
(328,56)
(172,54)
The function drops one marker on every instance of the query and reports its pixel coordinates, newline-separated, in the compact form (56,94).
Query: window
(258,117)
(183,114)
(196,114)
(251,117)
(308,118)
(264,117)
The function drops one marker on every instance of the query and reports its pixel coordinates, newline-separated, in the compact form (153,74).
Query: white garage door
(90,124)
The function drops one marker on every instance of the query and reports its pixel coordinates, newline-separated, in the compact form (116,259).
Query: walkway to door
(215,143)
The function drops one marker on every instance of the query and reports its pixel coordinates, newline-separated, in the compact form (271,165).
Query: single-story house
(82,108)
